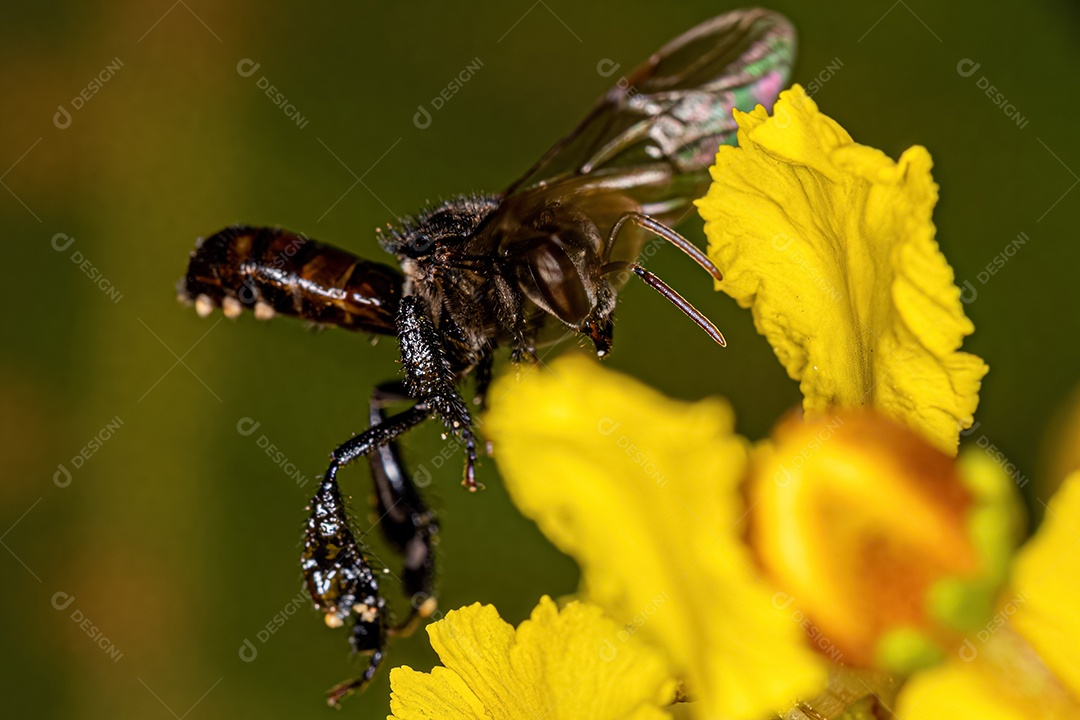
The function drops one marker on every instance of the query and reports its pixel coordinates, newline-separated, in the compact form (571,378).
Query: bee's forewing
(660,126)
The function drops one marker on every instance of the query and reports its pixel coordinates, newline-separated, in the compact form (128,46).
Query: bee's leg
(407,523)
(335,570)
(483,382)
(482,372)
(522,344)
(369,636)
(429,379)
(342,690)
(338,576)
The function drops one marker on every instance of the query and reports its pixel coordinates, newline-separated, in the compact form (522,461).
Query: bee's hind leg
(408,525)
(338,576)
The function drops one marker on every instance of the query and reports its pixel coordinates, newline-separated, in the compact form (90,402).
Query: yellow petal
(1025,662)
(958,691)
(1047,576)
(643,492)
(831,245)
(438,694)
(996,676)
(556,665)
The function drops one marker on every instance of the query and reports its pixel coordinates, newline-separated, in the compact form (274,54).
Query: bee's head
(413,243)
(559,270)
(441,226)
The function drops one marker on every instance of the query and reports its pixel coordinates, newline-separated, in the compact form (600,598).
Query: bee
(481,272)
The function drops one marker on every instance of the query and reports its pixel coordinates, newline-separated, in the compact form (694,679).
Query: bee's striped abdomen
(272,271)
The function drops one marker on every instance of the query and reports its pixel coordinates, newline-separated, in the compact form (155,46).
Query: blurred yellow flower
(852,535)
(643,492)
(831,245)
(1047,573)
(891,547)
(557,664)
(1025,662)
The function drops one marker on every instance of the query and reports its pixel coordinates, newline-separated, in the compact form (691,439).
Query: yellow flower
(1025,662)
(557,664)
(831,245)
(850,535)
(888,545)
(643,492)
(1047,572)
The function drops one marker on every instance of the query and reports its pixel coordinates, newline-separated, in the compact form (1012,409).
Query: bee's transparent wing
(653,135)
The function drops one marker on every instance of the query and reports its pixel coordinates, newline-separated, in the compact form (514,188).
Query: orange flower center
(857,518)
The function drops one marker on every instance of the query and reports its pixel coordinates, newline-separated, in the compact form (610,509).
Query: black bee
(480,272)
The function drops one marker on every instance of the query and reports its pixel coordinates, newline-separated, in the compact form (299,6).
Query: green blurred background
(178,538)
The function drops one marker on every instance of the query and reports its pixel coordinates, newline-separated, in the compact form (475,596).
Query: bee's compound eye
(555,282)
(422,243)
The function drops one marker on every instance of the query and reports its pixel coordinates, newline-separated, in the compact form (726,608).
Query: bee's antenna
(666,290)
(663,231)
